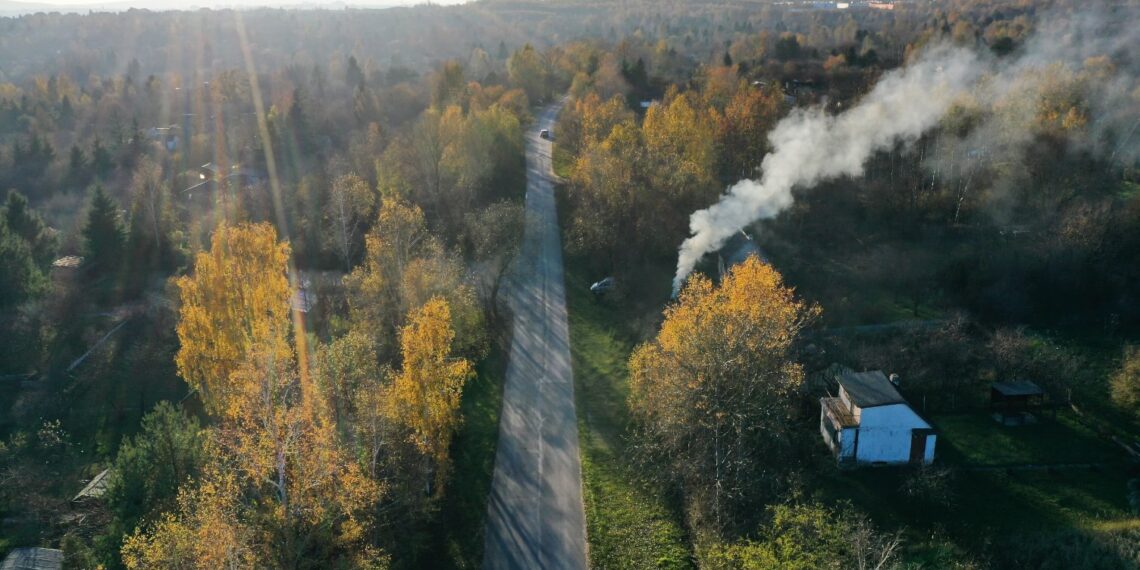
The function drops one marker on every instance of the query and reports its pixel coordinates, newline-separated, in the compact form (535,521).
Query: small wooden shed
(1013,400)
(33,559)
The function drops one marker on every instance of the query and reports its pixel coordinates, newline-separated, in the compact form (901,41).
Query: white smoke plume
(810,146)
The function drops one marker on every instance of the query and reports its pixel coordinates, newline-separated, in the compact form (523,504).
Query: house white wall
(885,434)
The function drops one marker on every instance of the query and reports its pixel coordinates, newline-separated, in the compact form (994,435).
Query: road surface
(535,518)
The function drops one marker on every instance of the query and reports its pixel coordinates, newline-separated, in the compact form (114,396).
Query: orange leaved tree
(236,301)
(714,391)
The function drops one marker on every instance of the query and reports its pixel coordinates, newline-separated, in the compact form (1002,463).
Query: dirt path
(535,517)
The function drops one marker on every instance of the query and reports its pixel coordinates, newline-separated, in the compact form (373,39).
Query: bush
(808,537)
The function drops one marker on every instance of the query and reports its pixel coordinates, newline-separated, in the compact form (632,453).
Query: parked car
(601,287)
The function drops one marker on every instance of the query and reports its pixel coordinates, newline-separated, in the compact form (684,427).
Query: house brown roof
(870,389)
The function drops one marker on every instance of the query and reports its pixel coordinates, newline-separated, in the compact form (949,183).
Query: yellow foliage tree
(399,236)
(206,531)
(714,391)
(404,267)
(279,491)
(425,394)
(237,300)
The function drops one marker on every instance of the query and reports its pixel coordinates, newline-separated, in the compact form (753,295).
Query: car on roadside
(602,287)
(545,133)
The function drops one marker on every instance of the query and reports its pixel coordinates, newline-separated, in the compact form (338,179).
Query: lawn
(986,503)
(630,523)
(457,538)
(975,439)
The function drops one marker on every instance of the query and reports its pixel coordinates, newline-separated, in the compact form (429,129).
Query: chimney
(894,378)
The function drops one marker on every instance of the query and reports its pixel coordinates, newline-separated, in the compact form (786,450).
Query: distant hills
(10,8)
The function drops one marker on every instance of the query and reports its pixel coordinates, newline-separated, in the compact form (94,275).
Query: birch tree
(236,301)
(350,202)
(714,391)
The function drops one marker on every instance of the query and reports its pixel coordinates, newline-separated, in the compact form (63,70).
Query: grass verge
(562,161)
(458,538)
(629,522)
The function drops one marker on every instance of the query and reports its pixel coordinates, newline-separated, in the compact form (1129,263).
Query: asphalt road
(535,518)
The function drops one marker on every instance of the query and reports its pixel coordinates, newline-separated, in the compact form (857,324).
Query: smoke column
(810,146)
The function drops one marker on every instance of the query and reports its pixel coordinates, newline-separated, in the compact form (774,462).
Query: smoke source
(810,146)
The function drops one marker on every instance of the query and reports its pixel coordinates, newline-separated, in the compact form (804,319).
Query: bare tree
(350,202)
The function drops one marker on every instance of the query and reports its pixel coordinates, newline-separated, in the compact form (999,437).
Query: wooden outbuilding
(1012,401)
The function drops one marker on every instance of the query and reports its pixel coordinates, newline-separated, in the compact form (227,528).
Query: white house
(871,423)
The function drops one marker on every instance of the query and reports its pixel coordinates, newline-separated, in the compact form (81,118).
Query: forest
(259,274)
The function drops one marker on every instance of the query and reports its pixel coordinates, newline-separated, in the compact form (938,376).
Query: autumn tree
(495,236)
(610,195)
(205,532)
(447,84)
(236,301)
(350,201)
(310,500)
(741,135)
(588,120)
(714,391)
(345,366)
(680,161)
(280,490)
(425,394)
(152,217)
(529,70)
(398,236)
(404,267)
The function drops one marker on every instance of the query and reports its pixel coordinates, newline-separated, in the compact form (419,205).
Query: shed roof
(96,488)
(33,559)
(1018,388)
(870,389)
(68,261)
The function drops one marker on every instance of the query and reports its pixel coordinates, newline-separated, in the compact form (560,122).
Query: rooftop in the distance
(96,488)
(33,559)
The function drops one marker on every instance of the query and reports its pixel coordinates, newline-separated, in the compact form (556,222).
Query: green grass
(1129,190)
(987,503)
(976,439)
(457,542)
(562,161)
(630,523)
(993,503)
